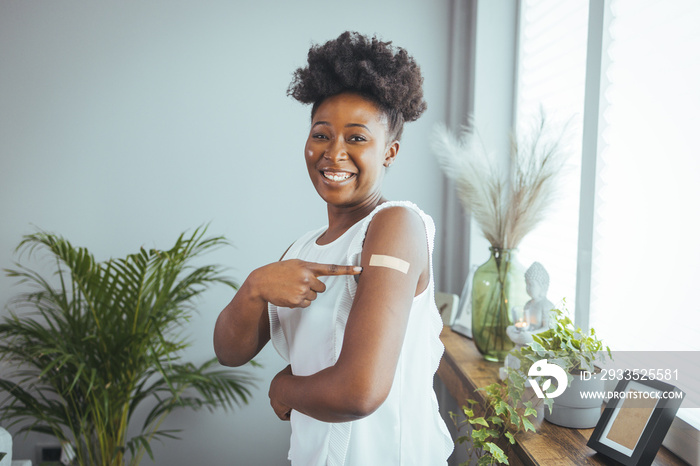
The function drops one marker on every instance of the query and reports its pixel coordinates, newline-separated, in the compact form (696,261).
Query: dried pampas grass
(507,202)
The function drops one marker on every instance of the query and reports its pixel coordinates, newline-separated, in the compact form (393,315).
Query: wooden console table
(463,370)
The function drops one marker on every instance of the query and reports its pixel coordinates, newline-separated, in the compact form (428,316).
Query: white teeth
(337,176)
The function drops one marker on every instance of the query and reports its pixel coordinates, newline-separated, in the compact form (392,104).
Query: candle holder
(520,334)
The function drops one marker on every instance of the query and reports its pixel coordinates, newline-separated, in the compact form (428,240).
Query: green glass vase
(499,285)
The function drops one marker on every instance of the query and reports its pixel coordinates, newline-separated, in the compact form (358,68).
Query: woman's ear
(391,151)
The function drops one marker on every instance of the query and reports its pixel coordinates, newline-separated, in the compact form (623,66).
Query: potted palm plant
(99,340)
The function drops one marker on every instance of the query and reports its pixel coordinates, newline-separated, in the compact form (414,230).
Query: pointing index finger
(321,270)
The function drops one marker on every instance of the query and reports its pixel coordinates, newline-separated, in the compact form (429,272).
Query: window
(631,235)
(551,77)
(645,229)
(646,255)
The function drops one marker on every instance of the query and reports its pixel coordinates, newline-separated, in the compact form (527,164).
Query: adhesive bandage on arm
(391,262)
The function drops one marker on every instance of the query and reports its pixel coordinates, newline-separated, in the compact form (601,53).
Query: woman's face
(347,150)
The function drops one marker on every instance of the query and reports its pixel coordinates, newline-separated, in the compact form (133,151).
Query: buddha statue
(537,310)
(534,317)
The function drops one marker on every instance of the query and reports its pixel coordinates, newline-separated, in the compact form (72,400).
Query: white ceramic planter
(570,409)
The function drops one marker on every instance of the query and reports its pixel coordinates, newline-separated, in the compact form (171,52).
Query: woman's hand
(294,283)
(243,327)
(283,412)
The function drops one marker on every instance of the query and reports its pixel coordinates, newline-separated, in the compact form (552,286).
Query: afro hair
(386,75)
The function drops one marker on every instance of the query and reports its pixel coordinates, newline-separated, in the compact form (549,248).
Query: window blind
(551,77)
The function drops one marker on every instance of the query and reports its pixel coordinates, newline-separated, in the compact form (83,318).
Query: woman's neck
(342,218)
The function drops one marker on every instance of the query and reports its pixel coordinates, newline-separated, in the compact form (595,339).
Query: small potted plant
(577,353)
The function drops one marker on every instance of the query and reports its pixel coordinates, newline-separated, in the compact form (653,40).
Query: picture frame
(635,422)
(463,321)
(447,304)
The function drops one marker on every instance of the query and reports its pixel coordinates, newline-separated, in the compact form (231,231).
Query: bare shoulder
(397,231)
(397,220)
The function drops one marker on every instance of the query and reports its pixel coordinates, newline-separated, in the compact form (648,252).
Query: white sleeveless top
(407,428)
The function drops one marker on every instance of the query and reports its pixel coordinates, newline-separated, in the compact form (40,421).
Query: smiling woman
(346,124)
(363,348)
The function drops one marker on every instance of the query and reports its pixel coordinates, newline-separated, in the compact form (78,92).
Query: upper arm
(264,323)
(237,338)
(378,318)
(263,330)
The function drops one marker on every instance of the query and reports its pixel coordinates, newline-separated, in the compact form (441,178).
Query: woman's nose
(336,150)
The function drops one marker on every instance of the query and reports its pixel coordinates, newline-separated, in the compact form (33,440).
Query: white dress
(407,428)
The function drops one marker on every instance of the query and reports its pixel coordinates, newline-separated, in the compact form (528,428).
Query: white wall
(124,123)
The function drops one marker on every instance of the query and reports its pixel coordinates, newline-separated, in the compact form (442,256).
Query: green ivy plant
(97,341)
(565,345)
(505,415)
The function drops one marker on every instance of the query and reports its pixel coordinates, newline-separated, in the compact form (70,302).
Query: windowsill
(463,370)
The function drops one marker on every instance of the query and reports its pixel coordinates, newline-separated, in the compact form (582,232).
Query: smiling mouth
(337,176)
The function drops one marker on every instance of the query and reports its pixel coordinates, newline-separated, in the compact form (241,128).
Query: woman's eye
(319,136)
(358,138)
